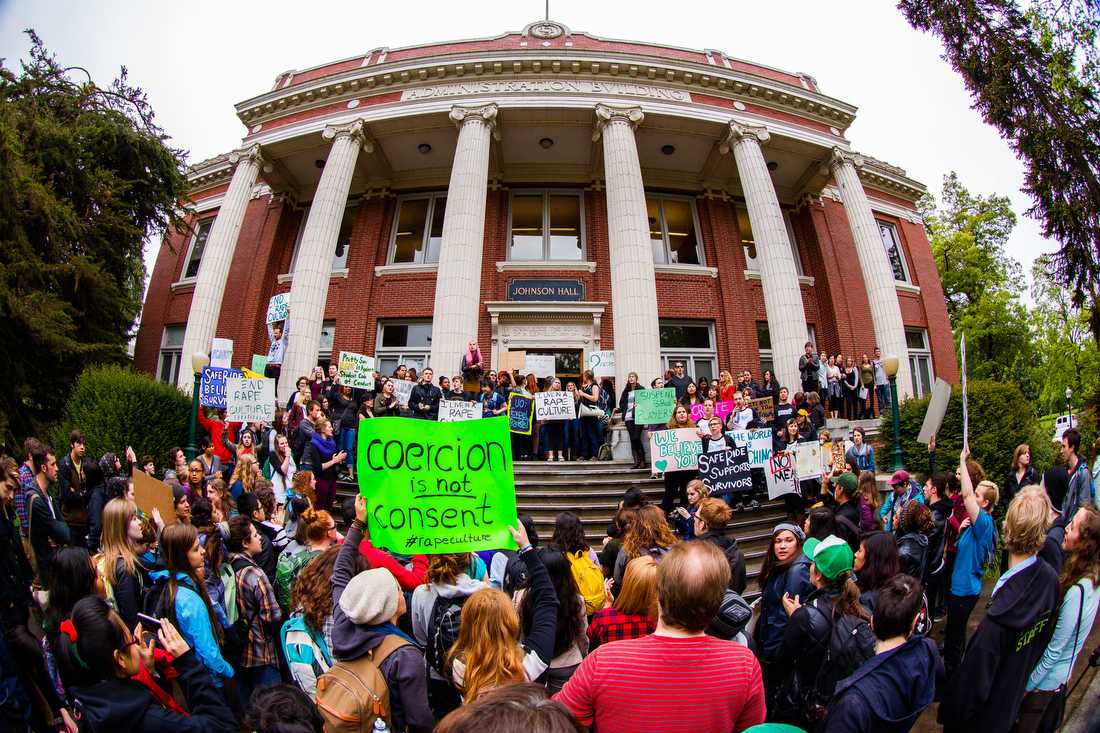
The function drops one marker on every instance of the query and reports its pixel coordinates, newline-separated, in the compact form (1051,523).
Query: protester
(874,564)
(553,431)
(257,603)
(648,535)
(1022,474)
(209,461)
(73,488)
(123,570)
(1080,490)
(282,709)
(267,558)
(904,491)
(571,620)
(784,572)
(684,517)
(709,526)
(45,527)
(679,380)
(515,708)
(850,503)
(724,677)
(319,532)
(633,612)
(861,454)
(868,489)
(311,600)
(279,468)
(808,367)
(676,481)
(425,397)
(627,411)
(244,476)
(324,458)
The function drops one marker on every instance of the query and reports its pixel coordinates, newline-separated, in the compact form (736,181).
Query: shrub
(1000,419)
(117,407)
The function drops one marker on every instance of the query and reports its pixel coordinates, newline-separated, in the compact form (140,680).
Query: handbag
(586,410)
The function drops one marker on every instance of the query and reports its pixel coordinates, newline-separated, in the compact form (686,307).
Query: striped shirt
(663,683)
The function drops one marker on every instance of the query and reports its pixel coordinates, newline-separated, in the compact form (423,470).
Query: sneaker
(738,507)
(561,459)
(754,505)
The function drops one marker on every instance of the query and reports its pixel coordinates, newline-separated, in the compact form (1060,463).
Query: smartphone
(148,621)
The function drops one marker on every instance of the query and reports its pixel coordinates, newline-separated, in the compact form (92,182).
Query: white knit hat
(371,597)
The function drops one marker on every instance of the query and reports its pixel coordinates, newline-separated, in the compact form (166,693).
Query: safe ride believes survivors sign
(437,487)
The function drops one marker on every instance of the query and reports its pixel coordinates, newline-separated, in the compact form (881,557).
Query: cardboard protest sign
(221,353)
(838,460)
(151,493)
(726,471)
(259,363)
(937,408)
(807,460)
(356,370)
(251,374)
(653,406)
(674,450)
(212,385)
(541,365)
(602,363)
(458,410)
(521,410)
(765,409)
(779,475)
(278,308)
(436,487)
(555,406)
(402,390)
(757,442)
(513,361)
(250,400)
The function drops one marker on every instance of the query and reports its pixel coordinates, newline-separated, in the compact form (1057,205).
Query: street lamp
(890,364)
(1069,406)
(198,361)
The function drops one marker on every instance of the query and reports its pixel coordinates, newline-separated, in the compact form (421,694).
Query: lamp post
(198,361)
(1069,406)
(890,364)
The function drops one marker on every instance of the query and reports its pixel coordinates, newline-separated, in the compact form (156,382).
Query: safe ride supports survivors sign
(437,487)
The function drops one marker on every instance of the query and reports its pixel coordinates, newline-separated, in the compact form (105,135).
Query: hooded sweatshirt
(423,601)
(888,692)
(989,684)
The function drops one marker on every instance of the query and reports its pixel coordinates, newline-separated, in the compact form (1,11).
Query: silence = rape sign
(458,410)
(212,385)
(355,370)
(555,406)
(726,471)
(674,450)
(250,400)
(653,406)
(437,487)
(779,474)
(520,413)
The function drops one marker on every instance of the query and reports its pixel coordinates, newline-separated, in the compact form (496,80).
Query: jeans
(882,392)
(572,436)
(250,679)
(347,443)
(954,637)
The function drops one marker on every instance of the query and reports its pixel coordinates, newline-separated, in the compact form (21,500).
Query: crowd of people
(248,609)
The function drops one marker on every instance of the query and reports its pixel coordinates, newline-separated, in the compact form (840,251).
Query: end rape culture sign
(437,487)
(212,386)
(250,400)
(278,308)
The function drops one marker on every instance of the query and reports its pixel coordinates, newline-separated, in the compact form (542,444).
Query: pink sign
(721,409)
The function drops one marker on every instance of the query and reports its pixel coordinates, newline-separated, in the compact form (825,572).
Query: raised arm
(539,640)
(970,499)
(344,568)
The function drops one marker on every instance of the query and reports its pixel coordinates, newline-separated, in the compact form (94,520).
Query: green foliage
(85,178)
(117,407)
(1000,419)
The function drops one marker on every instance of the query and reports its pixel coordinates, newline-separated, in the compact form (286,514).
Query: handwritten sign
(212,385)
(356,370)
(602,363)
(278,308)
(807,460)
(541,365)
(520,413)
(555,406)
(757,442)
(259,363)
(779,475)
(458,410)
(250,400)
(674,450)
(726,471)
(654,406)
(723,408)
(437,487)
(221,353)
(151,493)
(513,361)
(765,409)
(402,390)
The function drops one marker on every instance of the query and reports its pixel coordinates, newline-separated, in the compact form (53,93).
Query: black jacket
(913,553)
(806,637)
(985,693)
(941,512)
(623,399)
(15,573)
(128,590)
(425,394)
(268,558)
(1012,486)
(46,524)
(736,558)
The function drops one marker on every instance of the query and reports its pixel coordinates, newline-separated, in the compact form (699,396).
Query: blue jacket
(794,581)
(912,492)
(888,691)
(864,461)
(194,626)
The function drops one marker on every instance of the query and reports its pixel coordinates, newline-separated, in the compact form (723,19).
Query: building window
(417,229)
(893,250)
(198,246)
(920,361)
(764,343)
(171,353)
(673,230)
(748,242)
(343,239)
(545,226)
(691,342)
(403,342)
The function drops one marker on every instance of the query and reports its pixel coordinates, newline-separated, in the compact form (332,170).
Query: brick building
(552,192)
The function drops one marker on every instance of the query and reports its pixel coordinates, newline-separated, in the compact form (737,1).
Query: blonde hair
(725,379)
(488,643)
(116,537)
(699,487)
(639,592)
(243,472)
(989,491)
(1027,521)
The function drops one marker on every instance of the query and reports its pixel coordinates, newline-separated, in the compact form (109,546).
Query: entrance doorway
(567,366)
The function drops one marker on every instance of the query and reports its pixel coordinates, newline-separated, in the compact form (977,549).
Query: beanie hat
(370,598)
(832,555)
(848,482)
(788,527)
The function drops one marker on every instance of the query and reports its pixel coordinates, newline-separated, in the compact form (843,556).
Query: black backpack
(443,628)
(851,643)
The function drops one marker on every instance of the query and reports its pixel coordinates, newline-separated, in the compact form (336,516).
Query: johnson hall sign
(547,86)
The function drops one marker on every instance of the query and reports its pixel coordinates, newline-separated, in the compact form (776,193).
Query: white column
(458,282)
(878,274)
(221,243)
(774,256)
(313,265)
(633,286)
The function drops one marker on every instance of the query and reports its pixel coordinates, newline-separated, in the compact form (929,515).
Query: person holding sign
(492,401)
(277,334)
(589,414)
(385,402)
(633,429)
(676,481)
(553,431)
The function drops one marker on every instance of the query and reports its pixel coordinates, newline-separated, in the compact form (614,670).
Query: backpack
(229,582)
(443,627)
(851,643)
(235,638)
(306,653)
(589,579)
(352,695)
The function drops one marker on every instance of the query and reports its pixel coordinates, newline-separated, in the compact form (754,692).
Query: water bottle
(380,726)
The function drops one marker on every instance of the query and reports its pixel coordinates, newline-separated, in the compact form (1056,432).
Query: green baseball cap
(848,482)
(832,555)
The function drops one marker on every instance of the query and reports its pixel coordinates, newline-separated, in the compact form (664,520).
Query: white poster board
(249,400)
(555,406)
(355,370)
(402,390)
(602,363)
(780,475)
(221,353)
(458,410)
(807,460)
(758,443)
(937,408)
(278,308)
(541,365)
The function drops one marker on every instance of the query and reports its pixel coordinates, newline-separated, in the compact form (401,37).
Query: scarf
(325,446)
(387,629)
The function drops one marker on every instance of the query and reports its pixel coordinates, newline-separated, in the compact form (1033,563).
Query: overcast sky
(197,59)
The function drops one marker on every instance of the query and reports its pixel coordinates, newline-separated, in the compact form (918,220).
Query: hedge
(1000,419)
(117,407)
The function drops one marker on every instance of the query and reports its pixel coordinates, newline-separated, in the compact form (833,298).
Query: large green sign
(437,487)
(654,406)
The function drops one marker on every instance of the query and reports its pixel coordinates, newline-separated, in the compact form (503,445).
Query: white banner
(807,460)
(602,363)
(555,406)
(458,410)
(780,475)
(221,353)
(541,365)
(278,308)
(356,370)
(250,400)
(758,443)
(937,408)
(402,390)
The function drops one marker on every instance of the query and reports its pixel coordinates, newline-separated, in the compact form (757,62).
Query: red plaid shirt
(611,625)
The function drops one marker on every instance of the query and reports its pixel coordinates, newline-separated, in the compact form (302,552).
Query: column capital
(356,130)
(487,114)
(252,153)
(738,132)
(839,157)
(608,113)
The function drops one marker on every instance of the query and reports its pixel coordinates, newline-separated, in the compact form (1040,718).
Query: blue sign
(212,386)
(543,289)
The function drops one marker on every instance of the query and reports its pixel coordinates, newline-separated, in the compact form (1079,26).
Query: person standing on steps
(808,367)
(680,380)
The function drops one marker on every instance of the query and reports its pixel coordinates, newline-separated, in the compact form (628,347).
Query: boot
(639,459)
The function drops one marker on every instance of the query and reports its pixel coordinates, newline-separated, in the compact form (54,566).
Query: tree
(1034,76)
(85,177)
(980,282)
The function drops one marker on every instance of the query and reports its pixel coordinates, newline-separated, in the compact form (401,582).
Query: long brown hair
(846,601)
(650,529)
(488,643)
(301,484)
(175,542)
(1083,561)
(312,589)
